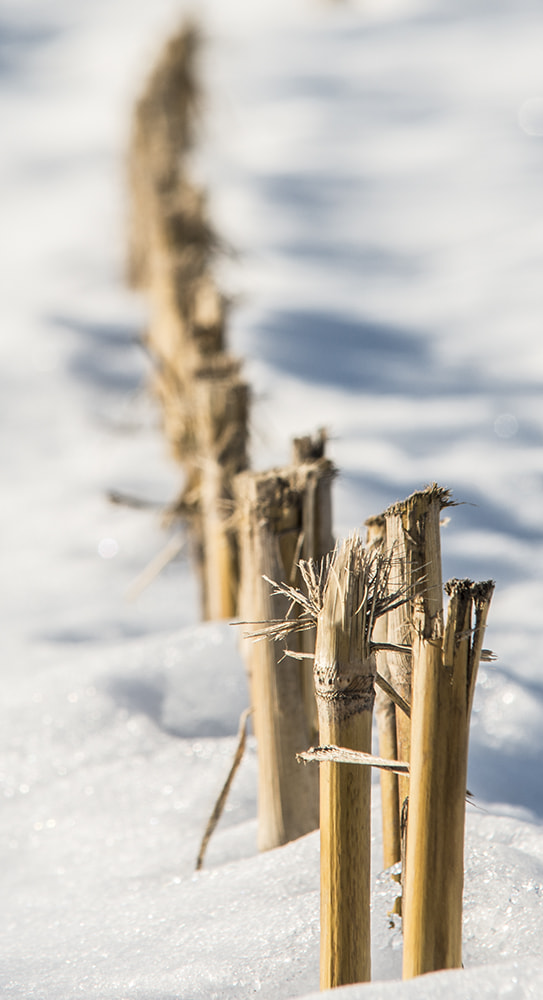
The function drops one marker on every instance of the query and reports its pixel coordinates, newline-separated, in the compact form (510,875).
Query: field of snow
(377,166)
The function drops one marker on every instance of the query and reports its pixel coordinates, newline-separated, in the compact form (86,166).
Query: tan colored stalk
(344,685)
(269,515)
(345,807)
(444,671)
(187,313)
(344,595)
(315,542)
(221,419)
(171,240)
(412,536)
(386,726)
(186,319)
(163,128)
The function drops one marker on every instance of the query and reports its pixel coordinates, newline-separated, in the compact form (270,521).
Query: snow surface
(377,165)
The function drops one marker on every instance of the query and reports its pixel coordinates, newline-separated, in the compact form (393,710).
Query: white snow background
(378,167)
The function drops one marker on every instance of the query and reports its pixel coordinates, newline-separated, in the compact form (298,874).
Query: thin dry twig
(159,562)
(393,694)
(342,755)
(137,503)
(221,801)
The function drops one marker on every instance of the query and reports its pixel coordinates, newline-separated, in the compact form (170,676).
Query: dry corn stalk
(385,712)
(344,669)
(163,130)
(281,515)
(316,541)
(269,508)
(344,596)
(412,535)
(186,328)
(445,664)
(173,243)
(221,401)
(203,401)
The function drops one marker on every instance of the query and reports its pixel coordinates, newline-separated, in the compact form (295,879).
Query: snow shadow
(106,356)
(475,512)
(349,258)
(178,711)
(508,771)
(365,354)
(504,776)
(332,349)
(19,41)
(138,696)
(308,198)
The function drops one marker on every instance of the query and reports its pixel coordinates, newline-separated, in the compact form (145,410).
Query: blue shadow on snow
(329,348)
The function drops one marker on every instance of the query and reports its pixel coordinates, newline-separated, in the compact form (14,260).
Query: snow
(377,167)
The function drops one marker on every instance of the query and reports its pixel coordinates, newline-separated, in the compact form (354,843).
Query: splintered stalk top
(343,662)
